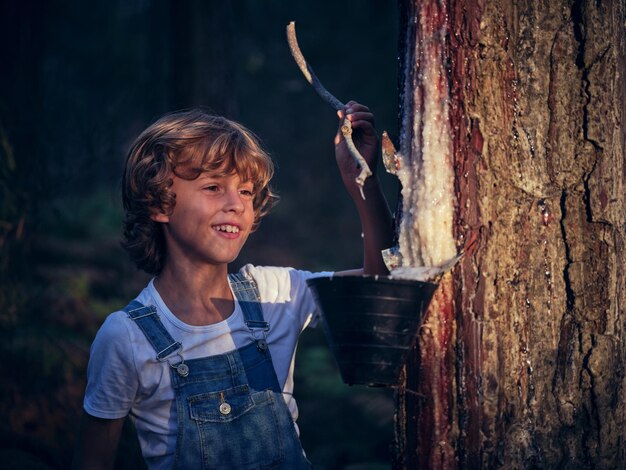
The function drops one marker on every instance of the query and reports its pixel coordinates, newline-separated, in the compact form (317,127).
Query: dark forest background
(78,81)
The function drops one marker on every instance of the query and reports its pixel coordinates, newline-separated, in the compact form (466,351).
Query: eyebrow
(206,175)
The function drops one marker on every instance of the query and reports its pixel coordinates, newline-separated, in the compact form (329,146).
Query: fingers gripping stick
(346,125)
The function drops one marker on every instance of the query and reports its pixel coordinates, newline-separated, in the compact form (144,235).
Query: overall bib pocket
(238,429)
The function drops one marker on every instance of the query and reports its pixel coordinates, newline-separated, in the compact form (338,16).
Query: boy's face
(211,220)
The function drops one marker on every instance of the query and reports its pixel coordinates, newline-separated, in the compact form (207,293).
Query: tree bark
(520,363)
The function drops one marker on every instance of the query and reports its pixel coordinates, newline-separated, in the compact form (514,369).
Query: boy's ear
(160,217)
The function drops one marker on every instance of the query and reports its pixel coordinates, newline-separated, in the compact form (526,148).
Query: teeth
(228,228)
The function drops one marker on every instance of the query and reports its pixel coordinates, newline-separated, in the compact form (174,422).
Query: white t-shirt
(125,378)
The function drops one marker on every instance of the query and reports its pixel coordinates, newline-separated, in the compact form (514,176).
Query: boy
(200,360)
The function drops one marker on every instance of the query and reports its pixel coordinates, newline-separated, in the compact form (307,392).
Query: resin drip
(426,173)
(426,243)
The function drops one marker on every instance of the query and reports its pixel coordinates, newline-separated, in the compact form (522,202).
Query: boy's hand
(376,221)
(365,139)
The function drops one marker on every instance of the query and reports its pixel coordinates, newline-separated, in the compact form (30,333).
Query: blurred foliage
(95,217)
(11,230)
(340,426)
(80,80)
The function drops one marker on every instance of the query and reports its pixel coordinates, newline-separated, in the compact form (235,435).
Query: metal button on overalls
(225,408)
(182,369)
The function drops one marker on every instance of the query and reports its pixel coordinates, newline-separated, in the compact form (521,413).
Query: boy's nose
(234,202)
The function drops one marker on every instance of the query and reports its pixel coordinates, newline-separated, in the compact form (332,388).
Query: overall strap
(247,293)
(148,321)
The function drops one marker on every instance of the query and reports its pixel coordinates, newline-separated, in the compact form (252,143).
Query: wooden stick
(346,125)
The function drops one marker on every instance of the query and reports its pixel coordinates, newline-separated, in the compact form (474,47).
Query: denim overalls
(230,408)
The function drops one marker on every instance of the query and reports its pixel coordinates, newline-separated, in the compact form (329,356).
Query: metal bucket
(370,323)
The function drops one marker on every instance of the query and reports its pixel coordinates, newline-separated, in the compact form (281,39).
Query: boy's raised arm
(97,442)
(376,220)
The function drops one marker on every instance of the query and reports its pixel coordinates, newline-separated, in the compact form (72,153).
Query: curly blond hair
(185,144)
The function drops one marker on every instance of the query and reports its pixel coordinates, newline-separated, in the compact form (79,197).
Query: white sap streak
(406,170)
(427,175)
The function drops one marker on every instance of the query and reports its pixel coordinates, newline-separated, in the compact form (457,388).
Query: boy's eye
(246,192)
(211,188)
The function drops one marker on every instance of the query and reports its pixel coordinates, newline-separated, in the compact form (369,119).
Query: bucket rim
(368,278)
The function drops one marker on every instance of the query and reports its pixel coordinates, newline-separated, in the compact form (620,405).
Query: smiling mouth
(227,228)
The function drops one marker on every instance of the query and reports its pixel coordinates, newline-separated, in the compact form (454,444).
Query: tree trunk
(520,363)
